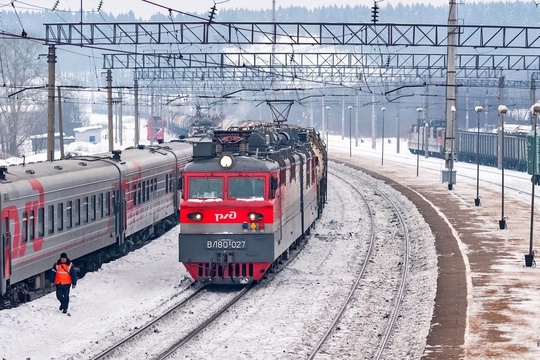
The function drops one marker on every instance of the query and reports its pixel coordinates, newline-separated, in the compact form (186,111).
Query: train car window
(25,226)
(143,191)
(107,203)
(93,208)
(100,204)
(41,222)
(139,197)
(69,215)
(313,168)
(51,219)
(32,226)
(60,215)
(308,173)
(85,210)
(171,177)
(246,188)
(148,187)
(116,195)
(166,183)
(134,194)
(77,212)
(155,184)
(205,188)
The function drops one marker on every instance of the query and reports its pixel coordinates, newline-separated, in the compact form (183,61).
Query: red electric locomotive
(156,129)
(248,196)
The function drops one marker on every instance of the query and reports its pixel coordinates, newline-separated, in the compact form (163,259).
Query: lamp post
(502,110)
(478,110)
(383,109)
(327,121)
(350,131)
(419,110)
(535,110)
(452,151)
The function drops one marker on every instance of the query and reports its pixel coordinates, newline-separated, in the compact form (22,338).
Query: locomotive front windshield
(205,188)
(236,187)
(245,188)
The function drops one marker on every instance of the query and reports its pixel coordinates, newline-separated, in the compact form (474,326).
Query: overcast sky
(145,8)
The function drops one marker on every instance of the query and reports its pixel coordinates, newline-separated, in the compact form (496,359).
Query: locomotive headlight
(196,216)
(254,216)
(226,161)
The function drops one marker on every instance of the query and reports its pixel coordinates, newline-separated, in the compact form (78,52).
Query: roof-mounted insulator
(116,155)
(3,171)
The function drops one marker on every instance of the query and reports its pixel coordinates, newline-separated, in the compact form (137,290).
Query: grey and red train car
(249,196)
(94,208)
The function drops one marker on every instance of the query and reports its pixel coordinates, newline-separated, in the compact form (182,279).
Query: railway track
(164,335)
(206,323)
(115,349)
(201,293)
(370,262)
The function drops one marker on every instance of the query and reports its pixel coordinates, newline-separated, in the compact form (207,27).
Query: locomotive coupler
(224,258)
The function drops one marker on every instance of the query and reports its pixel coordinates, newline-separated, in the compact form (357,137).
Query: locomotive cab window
(205,188)
(245,188)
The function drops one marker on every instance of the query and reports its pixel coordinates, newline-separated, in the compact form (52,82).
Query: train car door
(302,212)
(120,216)
(5,256)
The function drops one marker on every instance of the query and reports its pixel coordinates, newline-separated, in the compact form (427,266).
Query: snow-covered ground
(127,292)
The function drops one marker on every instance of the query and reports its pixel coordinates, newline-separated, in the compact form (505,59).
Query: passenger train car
(250,195)
(94,208)
(431,138)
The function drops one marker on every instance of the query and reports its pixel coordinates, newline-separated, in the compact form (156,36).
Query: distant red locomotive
(156,129)
(249,196)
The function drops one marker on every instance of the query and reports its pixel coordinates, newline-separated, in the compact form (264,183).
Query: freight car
(198,125)
(432,138)
(250,195)
(94,208)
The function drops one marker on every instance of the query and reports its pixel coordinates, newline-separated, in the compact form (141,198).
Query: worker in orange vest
(64,277)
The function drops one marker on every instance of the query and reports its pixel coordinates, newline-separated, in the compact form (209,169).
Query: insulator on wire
(212,13)
(375,13)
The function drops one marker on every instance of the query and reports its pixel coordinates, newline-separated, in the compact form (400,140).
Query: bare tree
(23,79)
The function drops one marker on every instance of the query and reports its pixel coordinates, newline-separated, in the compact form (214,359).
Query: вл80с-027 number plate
(226,244)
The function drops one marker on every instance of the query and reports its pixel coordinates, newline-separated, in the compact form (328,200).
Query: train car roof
(59,173)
